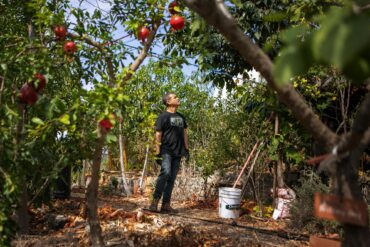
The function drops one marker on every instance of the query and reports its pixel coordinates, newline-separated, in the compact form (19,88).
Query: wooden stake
(128,192)
(245,164)
(251,169)
(144,168)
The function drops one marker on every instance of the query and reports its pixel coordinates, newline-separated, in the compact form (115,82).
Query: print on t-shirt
(177,122)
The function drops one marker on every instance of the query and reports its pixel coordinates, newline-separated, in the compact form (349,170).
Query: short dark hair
(166,97)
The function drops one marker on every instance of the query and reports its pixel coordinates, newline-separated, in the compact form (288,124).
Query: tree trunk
(278,181)
(92,196)
(110,165)
(345,184)
(22,217)
(124,152)
(81,177)
(279,164)
(280,173)
(121,159)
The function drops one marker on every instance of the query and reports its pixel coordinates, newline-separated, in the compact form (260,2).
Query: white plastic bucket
(229,202)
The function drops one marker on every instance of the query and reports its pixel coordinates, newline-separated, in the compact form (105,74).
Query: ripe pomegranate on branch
(60,32)
(28,94)
(143,33)
(70,47)
(177,22)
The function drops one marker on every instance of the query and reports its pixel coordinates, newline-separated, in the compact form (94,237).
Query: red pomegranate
(28,94)
(60,32)
(70,47)
(106,124)
(143,33)
(177,22)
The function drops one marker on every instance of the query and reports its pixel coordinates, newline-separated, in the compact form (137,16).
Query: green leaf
(120,97)
(237,3)
(257,35)
(111,138)
(275,17)
(126,98)
(341,38)
(295,34)
(37,120)
(10,111)
(64,119)
(195,26)
(358,70)
(292,62)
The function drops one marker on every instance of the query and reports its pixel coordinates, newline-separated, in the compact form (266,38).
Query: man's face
(173,100)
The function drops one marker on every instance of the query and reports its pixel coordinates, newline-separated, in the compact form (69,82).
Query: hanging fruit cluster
(28,94)
(60,34)
(177,22)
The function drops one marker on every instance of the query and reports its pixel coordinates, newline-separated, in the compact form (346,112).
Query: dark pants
(166,179)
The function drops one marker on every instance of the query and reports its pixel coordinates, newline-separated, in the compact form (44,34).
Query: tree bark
(121,159)
(280,174)
(345,184)
(124,152)
(110,165)
(92,195)
(143,53)
(22,217)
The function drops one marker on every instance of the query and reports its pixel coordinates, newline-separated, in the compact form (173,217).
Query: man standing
(171,144)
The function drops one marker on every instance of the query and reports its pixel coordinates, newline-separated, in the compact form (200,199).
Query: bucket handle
(231,206)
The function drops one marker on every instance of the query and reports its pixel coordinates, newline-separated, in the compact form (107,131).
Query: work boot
(154,205)
(166,208)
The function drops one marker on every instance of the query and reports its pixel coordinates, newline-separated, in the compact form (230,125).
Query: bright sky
(91,5)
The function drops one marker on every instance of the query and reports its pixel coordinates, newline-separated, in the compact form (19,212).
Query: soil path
(124,223)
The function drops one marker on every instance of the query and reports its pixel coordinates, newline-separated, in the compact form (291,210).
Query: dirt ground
(124,223)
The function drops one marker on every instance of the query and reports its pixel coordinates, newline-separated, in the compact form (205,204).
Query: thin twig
(38,192)
(366,7)
(2,82)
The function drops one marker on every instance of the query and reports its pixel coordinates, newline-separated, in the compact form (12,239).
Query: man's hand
(158,159)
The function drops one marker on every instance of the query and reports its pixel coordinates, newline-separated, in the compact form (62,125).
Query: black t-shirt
(172,126)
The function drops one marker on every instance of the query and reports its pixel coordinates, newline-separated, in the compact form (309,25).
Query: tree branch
(101,48)
(143,54)
(86,39)
(2,83)
(110,67)
(361,125)
(216,14)
(329,4)
(366,7)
